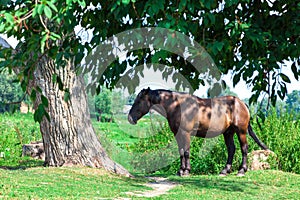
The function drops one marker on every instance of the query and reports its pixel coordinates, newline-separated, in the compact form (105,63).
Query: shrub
(16,130)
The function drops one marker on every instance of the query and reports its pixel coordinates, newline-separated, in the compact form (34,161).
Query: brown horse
(189,115)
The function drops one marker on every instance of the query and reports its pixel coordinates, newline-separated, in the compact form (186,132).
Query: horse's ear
(146,91)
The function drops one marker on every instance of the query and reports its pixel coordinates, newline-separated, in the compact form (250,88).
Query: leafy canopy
(250,37)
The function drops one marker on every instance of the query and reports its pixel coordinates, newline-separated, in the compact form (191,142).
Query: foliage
(153,151)
(16,130)
(10,92)
(253,38)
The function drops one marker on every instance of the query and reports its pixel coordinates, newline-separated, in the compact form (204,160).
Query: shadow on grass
(238,185)
(24,163)
(231,183)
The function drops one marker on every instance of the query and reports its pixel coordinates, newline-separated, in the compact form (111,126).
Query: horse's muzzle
(132,120)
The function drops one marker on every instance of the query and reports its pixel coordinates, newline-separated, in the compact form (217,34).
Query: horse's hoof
(180,173)
(224,172)
(240,174)
(186,173)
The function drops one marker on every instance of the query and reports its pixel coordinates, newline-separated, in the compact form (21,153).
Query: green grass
(255,185)
(64,183)
(87,183)
(16,130)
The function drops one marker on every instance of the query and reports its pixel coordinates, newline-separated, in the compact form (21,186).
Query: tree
(10,93)
(108,103)
(250,37)
(293,101)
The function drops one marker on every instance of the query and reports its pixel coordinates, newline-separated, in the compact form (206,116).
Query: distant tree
(228,91)
(11,93)
(108,103)
(118,102)
(130,99)
(293,101)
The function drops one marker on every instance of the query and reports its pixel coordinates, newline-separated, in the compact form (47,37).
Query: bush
(281,132)
(16,130)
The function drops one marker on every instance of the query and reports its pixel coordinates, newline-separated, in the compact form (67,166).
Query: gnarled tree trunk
(69,138)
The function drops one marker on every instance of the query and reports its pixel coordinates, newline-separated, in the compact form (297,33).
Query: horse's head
(140,107)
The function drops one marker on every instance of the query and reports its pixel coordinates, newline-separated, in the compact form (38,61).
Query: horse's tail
(255,138)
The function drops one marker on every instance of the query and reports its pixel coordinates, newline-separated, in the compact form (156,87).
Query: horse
(189,115)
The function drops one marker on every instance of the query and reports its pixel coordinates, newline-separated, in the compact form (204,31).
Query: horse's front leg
(183,141)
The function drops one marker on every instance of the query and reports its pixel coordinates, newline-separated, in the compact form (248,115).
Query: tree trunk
(69,138)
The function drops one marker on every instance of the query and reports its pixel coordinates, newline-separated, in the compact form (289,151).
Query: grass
(87,183)
(255,185)
(63,183)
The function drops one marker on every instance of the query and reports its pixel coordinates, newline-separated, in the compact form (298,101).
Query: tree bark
(69,138)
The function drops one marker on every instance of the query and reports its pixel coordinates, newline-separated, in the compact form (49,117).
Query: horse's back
(216,115)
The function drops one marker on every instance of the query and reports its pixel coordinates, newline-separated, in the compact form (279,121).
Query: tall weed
(16,130)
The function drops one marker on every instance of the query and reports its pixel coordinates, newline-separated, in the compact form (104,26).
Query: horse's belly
(207,134)
(212,128)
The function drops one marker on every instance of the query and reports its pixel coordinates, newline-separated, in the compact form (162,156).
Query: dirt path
(159,185)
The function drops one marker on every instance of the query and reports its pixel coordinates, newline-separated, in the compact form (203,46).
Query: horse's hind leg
(228,137)
(244,148)
(183,141)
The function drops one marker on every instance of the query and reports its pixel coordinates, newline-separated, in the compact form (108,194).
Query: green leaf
(212,18)
(82,3)
(2,28)
(285,78)
(69,2)
(39,113)
(125,2)
(67,95)
(9,18)
(40,9)
(236,79)
(43,43)
(295,71)
(44,101)
(33,95)
(48,12)
(54,78)
(52,6)
(35,11)
(182,5)
(59,82)
(219,45)
(55,35)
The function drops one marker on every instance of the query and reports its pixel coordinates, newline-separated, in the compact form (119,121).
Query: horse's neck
(161,102)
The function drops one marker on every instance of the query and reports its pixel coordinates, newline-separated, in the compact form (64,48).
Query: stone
(261,159)
(34,150)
